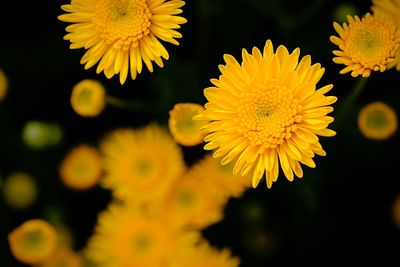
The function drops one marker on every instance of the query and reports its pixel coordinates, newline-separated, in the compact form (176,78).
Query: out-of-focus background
(341,211)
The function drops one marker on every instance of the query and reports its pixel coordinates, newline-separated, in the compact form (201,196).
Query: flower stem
(350,99)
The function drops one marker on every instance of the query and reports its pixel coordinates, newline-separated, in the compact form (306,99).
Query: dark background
(338,213)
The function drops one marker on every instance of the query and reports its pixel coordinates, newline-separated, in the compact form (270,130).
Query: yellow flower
(221,176)
(390,9)
(266,112)
(183,128)
(377,121)
(194,202)
(64,257)
(123,34)
(33,242)
(20,190)
(3,84)
(124,237)
(81,168)
(396,211)
(88,98)
(142,164)
(366,45)
(205,255)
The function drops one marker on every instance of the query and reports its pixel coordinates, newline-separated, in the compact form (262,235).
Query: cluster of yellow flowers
(159,204)
(370,44)
(264,114)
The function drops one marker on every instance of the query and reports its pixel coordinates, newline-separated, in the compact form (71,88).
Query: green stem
(350,99)
(127,105)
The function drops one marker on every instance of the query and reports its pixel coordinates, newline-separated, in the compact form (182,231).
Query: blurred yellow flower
(366,45)
(142,164)
(81,168)
(88,98)
(377,121)
(222,177)
(33,242)
(123,34)
(396,211)
(390,9)
(3,84)
(194,202)
(19,190)
(63,257)
(124,237)
(266,112)
(65,236)
(183,128)
(205,255)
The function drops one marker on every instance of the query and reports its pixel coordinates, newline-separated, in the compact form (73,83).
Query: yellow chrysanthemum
(124,237)
(205,255)
(396,211)
(141,165)
(123,34)
(88,98)
(267,112)
(222,177)
(64,257)
(19,190)
(194,202)
(183,128)
(377,121)
(81,168)
(390,9)
(366,45)
(3,84)
(33,242)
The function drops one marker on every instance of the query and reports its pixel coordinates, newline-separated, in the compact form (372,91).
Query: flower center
(377,120)
(85,97)
(143,168)
(267,113)
(142,243)
(33,239)
(122,22)
(186,198)
(372,42)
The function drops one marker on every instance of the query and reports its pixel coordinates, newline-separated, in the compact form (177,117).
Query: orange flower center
(122,22)
(267,113)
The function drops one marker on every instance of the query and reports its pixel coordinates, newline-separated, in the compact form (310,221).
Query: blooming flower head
(205,255)
(377,121)
(3,84)
(222,177)
(367,44)
(194,202)
(122,35)
(124,237)
(64,257)
(266,113)
(19,190)
(33,242)
(391,10)
(183,128)
(142,164)
(88,98)
(81,168)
